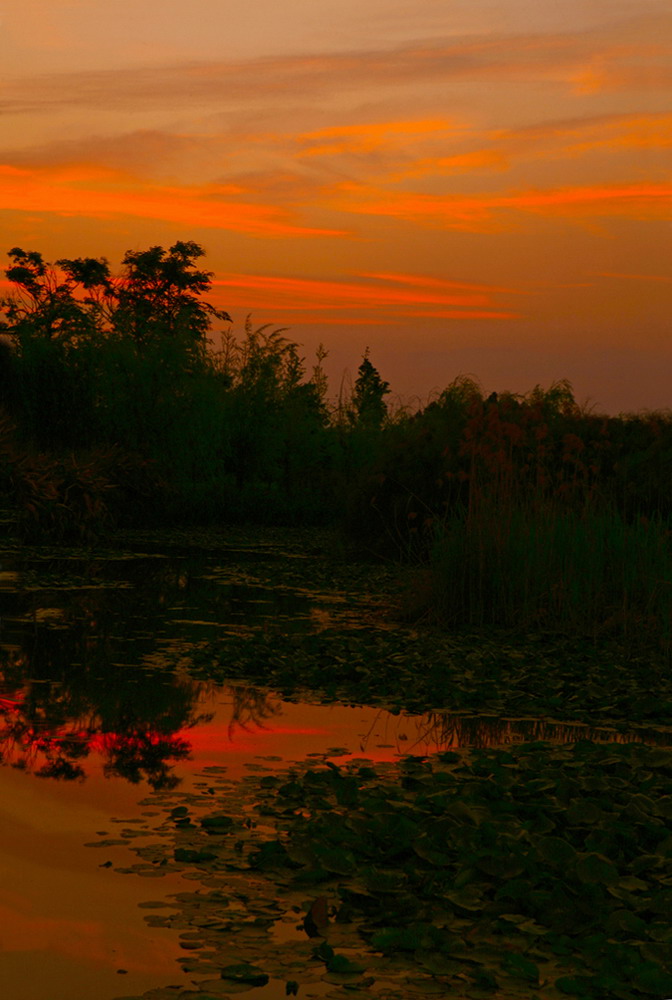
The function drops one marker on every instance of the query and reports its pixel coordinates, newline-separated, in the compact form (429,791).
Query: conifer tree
(368,403)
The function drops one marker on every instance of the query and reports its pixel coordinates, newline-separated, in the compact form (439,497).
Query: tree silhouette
(45,305)
(368,403)
(159,295)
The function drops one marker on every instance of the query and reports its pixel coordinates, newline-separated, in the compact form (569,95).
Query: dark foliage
(526,508)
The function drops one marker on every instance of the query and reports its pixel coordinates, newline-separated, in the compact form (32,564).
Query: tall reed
(545,565)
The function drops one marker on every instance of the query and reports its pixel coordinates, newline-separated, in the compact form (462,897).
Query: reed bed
(544,566)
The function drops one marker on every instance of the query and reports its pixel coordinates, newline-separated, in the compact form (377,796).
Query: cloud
(97,192)
(581,61)
(362,299)
(389,295)
(502,149)
(618,276)
(136,150)
(370,136)
(618,70)
(487,160)
(580,135)
(444,284)
(292,167)
(483,212)
(265,165)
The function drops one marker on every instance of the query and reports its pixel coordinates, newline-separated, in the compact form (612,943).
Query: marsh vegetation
(504,558)
(508,510)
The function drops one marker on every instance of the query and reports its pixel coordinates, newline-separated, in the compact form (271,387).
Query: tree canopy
(157,295)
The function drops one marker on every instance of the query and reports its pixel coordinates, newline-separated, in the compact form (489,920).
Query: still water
(96,714)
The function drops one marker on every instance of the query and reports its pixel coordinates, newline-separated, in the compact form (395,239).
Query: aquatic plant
(528,565)
(524,871)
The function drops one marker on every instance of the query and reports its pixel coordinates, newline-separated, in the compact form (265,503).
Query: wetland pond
(171,831)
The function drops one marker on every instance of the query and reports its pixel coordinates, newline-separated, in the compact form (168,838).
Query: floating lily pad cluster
(535,871)
(485,672)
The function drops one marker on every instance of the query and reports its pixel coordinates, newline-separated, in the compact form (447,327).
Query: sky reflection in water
(90,699)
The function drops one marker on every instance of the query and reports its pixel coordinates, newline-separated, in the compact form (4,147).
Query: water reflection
(148,594)
(141,724)
(57,707)
(88,650)
(438,731)
(251,708)
(87,661)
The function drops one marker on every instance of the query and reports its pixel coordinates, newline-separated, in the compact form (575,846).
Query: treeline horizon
(117,411)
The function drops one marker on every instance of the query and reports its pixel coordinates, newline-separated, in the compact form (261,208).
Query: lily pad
(217,823)
(244,973)
(194,856)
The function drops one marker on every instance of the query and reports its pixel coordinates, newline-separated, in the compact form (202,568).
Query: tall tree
(368,399)
(159,295)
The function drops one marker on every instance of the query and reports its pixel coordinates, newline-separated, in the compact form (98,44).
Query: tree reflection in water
(137,755)
(87,666)
(89,676)
(51,720)
(438,731)
(251,706)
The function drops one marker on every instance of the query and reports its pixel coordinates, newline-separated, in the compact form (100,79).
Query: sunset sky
(464,186)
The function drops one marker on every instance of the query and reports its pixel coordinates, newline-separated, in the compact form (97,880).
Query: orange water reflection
(63,910)
(222,725)
(89,700)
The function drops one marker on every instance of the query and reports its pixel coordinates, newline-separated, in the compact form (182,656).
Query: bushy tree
(158,296)
(45,305)
(102,357)
(123,361)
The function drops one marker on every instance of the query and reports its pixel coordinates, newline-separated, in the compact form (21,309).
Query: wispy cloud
(483,212)
(389,295)
(578,136)
(366,298)
(619,275)
(581,61)
(86,190)
(371,136)
(503,149)
(146,151)
(475,161)
(442,284)
(293,164)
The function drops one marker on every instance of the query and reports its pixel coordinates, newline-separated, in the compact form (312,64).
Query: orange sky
(481,186)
